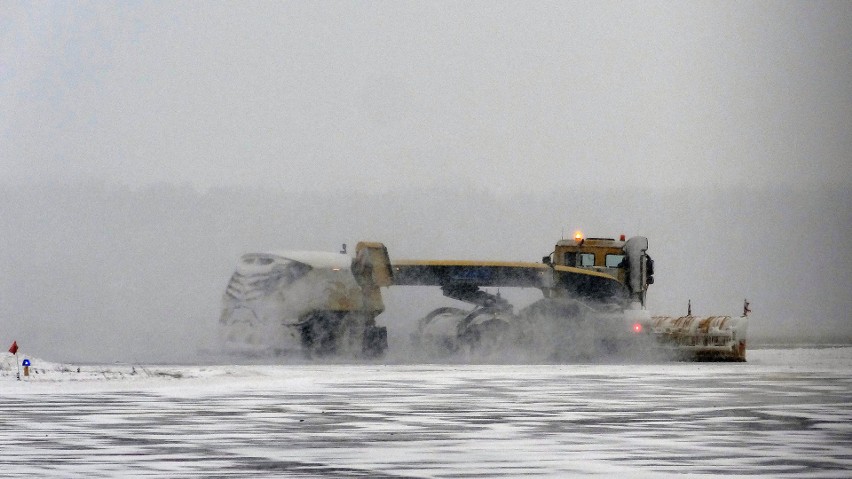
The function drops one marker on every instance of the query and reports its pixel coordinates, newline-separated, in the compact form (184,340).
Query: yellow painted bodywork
(600,248)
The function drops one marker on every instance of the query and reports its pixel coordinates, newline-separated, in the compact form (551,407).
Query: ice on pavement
(785,413)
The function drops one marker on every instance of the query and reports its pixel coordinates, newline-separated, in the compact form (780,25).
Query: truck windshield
(613,260)
(579,259)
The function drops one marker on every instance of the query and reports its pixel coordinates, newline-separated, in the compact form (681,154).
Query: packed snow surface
(785,413)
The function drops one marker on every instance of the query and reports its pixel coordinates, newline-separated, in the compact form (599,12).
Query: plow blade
(703,338)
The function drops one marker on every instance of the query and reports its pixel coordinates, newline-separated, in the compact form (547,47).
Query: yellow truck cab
(624,260)
(605,255)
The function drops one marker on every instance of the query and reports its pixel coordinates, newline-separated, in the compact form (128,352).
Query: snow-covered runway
(787,412)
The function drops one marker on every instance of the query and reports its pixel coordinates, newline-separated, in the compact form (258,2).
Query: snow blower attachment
(305,301)
(593,302)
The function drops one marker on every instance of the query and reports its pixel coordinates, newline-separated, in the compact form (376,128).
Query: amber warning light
(578,236)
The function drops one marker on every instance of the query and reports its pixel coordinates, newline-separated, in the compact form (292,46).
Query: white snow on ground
(785,413)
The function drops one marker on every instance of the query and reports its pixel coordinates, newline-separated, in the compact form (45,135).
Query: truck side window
(614,260)
(570,259)
(587,259)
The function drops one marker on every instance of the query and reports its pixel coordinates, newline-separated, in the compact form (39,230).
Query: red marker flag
(14,348)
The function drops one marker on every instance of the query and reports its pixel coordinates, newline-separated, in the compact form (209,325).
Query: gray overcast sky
(387,95)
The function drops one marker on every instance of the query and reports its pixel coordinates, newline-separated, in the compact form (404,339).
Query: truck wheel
(375,341)
(320,332)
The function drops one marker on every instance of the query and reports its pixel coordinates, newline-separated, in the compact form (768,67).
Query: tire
(320,333)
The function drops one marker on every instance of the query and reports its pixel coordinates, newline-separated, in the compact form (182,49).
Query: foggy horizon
(115,274)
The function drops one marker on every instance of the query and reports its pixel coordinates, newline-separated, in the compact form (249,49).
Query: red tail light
(637,327)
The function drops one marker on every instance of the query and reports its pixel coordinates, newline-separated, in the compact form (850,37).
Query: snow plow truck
(593,303)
